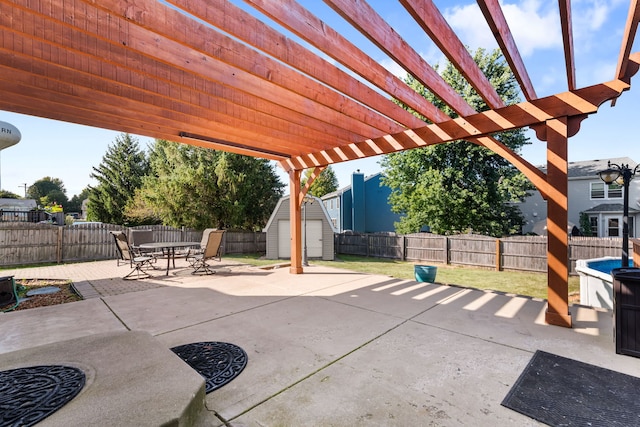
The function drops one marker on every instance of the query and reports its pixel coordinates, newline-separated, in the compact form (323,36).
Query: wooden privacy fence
(524,253)
(27,243)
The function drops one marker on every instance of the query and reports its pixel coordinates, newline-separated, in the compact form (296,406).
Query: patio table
(169,248)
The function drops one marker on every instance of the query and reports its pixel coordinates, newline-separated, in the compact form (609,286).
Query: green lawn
(531,284)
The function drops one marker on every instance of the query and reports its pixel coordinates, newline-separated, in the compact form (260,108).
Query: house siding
(534,208)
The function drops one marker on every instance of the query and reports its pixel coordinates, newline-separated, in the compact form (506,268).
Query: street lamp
(305,200)
(621,174)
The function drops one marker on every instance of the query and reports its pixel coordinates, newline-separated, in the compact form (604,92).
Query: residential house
(362,207)
(589,194)
(16,209)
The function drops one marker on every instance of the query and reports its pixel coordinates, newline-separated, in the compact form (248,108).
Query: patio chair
(137,263)
(8,293)
(212,250)
(139,237)
(192,252)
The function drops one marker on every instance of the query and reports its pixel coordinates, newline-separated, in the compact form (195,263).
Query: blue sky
(68,151)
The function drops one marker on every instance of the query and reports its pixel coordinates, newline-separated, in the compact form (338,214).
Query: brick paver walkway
(97,279)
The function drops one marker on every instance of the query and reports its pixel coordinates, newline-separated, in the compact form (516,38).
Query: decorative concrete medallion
(28,395)
(217,362)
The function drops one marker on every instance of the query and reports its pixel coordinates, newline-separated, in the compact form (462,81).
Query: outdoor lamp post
(621,174)
(305,200)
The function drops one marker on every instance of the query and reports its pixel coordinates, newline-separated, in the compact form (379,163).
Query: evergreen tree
(119,175)
(460,187)
(324,184)
(199,188)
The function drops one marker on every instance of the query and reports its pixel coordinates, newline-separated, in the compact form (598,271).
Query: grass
(513,282)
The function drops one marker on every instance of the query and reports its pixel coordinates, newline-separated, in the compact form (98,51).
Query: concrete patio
(329,347)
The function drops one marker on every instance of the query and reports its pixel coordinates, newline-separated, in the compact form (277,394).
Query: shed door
(314,239)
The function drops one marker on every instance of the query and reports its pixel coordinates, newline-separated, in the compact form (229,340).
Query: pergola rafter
(221,76)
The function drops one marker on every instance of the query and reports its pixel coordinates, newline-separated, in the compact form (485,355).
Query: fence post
(447,258)
(498,255)
(404,248)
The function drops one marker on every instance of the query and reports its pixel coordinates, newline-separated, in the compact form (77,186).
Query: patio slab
(332,347)
(414,375)
(44,325)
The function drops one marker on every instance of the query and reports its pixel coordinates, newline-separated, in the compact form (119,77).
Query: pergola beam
(580,102)
(427,15)
(500,29)
(567,39)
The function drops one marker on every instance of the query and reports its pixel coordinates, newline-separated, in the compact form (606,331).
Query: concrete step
(131,379)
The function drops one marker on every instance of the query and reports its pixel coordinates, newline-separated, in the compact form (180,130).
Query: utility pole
(25,189)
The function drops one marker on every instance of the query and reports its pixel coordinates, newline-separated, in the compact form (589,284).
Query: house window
(614,191)
(613,227)
(599,190)
(338,203)
(593,221)
(334,221)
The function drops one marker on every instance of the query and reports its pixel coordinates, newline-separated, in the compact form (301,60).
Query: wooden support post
(498,255)
(295,220)
(558,241)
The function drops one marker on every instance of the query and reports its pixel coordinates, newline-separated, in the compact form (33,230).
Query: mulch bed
(66,294)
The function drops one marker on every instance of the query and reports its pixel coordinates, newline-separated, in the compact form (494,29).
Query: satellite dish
(9,135)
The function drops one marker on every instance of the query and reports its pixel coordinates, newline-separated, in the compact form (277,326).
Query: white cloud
(393,67)
(533,23)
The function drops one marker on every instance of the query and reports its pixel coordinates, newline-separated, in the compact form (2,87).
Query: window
(597,190)
(613,227)
(338,203)
(593,221)
(614,191)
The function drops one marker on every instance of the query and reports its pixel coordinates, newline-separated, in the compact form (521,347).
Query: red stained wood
(500,29)
(433,23)
(567,39)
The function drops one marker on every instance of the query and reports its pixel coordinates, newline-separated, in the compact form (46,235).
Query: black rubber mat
(28,395)
(217,362)
(563,392)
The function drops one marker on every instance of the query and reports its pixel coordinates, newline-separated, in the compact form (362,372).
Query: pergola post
(558,240)
(295,221)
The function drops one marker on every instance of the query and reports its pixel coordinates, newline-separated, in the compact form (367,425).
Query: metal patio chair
(137,263)
(211,249)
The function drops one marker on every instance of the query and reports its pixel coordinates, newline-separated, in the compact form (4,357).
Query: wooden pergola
(209,73)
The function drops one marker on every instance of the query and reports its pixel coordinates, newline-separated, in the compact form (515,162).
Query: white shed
(319,231)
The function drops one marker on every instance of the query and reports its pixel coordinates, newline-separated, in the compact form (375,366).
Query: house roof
(17,204)
(286,199)
(611,208)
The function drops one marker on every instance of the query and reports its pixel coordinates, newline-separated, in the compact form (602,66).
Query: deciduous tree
(460,187)
(324,184)
(47,191)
